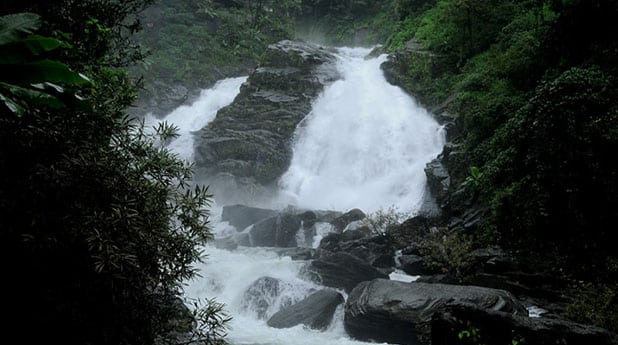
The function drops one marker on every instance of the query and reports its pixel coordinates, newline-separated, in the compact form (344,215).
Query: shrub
(447,252)
(382,221)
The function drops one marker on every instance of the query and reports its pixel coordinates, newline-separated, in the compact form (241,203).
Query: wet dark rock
(377,251)
(248,146)
(498,327)
(342,221)
(342,270)
(438,178)
(438,279)
(296,253)
(261,295)
(315,311)
(415,265)
(396,312)
(241,216)
(277,231)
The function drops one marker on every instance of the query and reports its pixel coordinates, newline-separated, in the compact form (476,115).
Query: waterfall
(190,118)
(364,145)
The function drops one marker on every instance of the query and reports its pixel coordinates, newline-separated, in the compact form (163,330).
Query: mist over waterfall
(365,144)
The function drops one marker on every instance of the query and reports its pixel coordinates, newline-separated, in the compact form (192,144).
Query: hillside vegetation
(533,88)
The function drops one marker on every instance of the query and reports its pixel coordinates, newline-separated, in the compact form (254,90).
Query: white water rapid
(364,145)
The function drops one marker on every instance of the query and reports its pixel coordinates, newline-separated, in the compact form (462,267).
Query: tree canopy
(99,223)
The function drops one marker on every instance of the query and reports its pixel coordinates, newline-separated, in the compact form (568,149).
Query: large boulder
(241,216)
(342,221)
(415,265)
(287,228)
(397,312)
(495,327)
(261,295)
(316,311)
(248,145)
(277,231)
(342,270)
(377,251)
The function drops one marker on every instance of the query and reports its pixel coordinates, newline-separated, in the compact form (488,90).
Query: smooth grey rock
(342,270)
(316,311)
(397,312)
(241,216)
(503,328)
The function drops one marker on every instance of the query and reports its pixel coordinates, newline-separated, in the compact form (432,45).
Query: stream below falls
(364,145)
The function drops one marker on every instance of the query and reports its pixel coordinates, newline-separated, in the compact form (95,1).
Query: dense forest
(532,84)
(100,223)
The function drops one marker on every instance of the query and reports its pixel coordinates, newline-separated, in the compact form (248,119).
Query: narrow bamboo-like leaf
(14,25)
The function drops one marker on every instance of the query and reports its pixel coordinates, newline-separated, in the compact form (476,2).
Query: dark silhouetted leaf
(13,25)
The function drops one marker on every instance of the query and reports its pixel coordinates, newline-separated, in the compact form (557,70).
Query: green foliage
(470,334)
(12,26)
(462,29)
(196,43)
(447,252)
(27,77)
(564,166)
(345,22)
(99,222)
(595,304)
(537,116)
(382,221)
(211,319)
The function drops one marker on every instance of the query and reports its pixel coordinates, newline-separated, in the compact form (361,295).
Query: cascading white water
(190,118)
(365,144)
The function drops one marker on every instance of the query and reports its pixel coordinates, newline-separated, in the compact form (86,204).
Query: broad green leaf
(48,71)
(475,172)
(39,44)
(14,25)
(27,49)
(33,97)
(44,86)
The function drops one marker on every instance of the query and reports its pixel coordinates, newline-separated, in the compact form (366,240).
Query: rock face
(261,295)
(342,270)
(353,215)
(502,328)
(247,146)
(288,228)
(241,216)
(376,251)
(277,231)
(396,312)
(315,311)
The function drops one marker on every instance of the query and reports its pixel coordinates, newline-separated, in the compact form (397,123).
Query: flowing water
(197,115)
(364,145)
